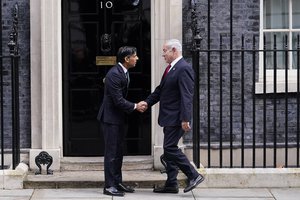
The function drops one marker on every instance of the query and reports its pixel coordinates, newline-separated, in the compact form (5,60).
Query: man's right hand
(142,106)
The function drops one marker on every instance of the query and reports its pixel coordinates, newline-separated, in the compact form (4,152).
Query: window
(281,23)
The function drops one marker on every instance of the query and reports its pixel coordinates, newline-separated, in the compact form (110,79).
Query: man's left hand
(186,126)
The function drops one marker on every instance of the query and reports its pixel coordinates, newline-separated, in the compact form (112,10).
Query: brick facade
(24,70)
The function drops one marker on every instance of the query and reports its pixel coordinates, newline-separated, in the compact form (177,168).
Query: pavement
(221,184)
(147,194)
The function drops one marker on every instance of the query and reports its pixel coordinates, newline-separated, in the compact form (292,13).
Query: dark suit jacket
(114,105)
(175,93)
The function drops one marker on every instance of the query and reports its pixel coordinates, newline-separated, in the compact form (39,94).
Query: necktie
(166,70)
(127,77)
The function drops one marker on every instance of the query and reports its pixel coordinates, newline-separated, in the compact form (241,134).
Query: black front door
(93,30)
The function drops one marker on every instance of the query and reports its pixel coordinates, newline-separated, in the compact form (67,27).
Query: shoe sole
(166,191)
(117,195)
(200,181)
(169,192)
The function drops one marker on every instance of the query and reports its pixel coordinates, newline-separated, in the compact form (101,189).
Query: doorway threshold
(97,163)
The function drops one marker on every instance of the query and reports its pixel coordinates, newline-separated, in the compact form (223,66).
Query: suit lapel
(122,74)
(172,70)
(124,80)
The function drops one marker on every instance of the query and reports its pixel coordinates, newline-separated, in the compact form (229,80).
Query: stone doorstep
(97,163)
(214,178)
(95,179)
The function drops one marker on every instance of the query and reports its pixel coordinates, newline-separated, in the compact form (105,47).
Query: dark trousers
(175,157)
(113,155)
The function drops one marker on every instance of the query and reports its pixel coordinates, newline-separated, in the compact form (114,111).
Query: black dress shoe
(166,189)
(193,183)
(125,188)
(112,191)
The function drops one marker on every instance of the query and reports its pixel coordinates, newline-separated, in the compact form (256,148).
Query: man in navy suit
(112,116)
(175,94)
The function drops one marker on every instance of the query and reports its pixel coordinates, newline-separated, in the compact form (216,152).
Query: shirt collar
(124,69)
(175,61)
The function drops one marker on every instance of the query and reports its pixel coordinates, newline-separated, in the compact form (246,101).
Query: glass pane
(121,6)
(83,45)
(276,14)
(296,45)
(281,43)
(83,6)
(84,112)
(296,14)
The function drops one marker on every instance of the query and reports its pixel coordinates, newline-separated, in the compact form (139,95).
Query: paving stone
(286,193)
(201,193)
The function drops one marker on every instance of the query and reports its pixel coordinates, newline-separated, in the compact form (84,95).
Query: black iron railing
(10,142)
(249,112)
(247,93)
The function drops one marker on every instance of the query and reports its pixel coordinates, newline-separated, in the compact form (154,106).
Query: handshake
(142,106)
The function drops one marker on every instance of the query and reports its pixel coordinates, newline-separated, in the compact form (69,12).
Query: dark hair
(125,51)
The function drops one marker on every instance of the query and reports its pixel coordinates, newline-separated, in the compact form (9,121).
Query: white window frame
(292,73)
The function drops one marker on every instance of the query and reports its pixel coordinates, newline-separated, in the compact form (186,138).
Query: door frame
(46,73)
(81,98)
